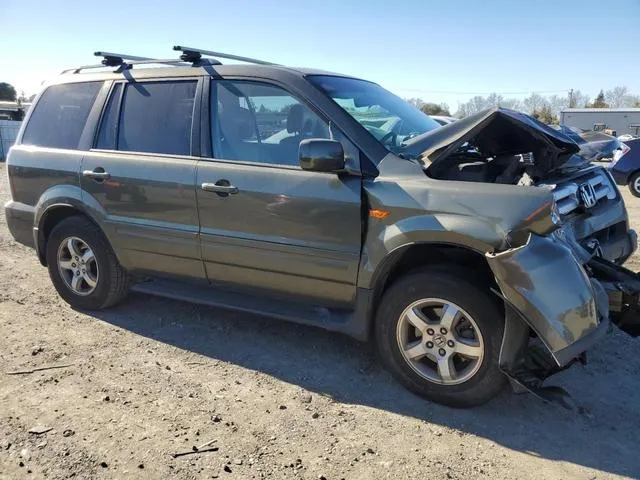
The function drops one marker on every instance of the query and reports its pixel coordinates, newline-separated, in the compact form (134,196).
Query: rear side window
(109,125)
(60,115)
(156,117)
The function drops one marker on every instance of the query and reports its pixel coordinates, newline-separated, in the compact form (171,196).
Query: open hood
(496,132)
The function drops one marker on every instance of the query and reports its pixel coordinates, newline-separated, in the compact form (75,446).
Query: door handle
(97,174)
(214,187)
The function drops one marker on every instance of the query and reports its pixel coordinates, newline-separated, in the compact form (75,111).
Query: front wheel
(634,184)
(440,336)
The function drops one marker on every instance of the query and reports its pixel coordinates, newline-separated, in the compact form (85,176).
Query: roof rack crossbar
(118,60)
(195,54)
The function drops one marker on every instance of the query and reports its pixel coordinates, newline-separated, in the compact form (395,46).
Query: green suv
(474,254)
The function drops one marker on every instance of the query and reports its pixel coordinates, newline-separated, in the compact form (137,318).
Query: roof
(601,110)
(139,71)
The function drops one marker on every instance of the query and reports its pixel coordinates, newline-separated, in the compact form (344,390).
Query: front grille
(568,198)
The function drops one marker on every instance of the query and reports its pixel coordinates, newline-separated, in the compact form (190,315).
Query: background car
(625,166)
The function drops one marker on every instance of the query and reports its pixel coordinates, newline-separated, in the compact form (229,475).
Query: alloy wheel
(77,266)
(440,341)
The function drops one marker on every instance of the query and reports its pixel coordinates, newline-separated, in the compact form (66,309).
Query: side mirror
(321,155)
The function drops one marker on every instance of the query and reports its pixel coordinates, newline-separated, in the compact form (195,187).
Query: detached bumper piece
(534,368)
(623,290)
(528,363)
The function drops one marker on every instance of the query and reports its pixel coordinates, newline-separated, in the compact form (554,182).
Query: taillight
(619,153)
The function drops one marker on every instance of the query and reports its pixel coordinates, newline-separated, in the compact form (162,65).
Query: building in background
(620,121)
(11,115)
(13,110)
(8,134)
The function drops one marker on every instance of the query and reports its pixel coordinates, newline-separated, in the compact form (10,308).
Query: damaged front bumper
(551,291)
(567,297)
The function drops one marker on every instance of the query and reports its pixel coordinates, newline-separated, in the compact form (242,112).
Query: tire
(634,184)
(111,282)
(479,379)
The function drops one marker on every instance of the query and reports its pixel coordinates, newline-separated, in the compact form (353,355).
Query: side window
(257,122)
(60,115)
(156,117)
(109,124)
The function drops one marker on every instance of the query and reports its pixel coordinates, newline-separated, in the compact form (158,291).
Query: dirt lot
(154,377)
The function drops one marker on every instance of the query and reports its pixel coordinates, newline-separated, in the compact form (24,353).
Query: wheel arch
(410,257)
(51,216)
(631,174)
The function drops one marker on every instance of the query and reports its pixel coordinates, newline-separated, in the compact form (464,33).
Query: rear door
(265,222)
(140,175)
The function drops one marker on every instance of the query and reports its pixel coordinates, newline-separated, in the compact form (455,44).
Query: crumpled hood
(495,132)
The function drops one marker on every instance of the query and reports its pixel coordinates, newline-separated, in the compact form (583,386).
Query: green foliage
(599,101)
(7,92)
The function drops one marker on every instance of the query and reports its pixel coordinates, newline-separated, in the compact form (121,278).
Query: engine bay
(471,166)
(495,146)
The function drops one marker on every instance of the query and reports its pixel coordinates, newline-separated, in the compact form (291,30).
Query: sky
(441,51)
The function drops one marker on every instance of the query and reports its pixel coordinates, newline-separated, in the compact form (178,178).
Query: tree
(7,92)
(545,115)
(475,105)
(577,99)
(534,102)
(557,103)
(495,100)
(512,103)
(618,97)
(416,102)
(435,109)
(599,101)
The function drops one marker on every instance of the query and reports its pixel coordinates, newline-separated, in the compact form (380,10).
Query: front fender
(386,242)
(547,286)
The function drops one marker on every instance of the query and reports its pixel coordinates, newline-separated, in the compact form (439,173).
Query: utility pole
(571,105)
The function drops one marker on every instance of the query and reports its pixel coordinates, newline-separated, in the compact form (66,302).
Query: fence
(8,134)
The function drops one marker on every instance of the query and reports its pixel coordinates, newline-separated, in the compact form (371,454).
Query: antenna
(195,54)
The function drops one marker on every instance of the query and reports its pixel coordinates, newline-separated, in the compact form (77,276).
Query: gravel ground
(155,377)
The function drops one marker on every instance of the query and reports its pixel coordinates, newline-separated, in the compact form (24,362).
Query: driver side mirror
(321,155)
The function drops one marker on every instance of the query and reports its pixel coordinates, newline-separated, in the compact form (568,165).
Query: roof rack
(125,61)
(194,55)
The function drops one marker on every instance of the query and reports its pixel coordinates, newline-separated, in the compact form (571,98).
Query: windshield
(387,117)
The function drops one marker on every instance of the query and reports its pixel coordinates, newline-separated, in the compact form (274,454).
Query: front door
(264,222)
(141,173)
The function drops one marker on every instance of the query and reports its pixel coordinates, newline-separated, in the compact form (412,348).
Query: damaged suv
(479,253)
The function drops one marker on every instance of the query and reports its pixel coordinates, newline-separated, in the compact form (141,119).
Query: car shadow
(601,434)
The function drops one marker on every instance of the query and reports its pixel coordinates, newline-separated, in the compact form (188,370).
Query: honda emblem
(588,195)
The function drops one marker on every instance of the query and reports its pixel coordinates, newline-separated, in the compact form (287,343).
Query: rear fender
(65,196)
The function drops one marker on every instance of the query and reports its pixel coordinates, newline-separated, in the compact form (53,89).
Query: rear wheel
(82,265)
(634,184)
(440,336)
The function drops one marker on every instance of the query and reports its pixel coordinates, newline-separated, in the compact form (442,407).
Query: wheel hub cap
(440,341)
(77,266)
